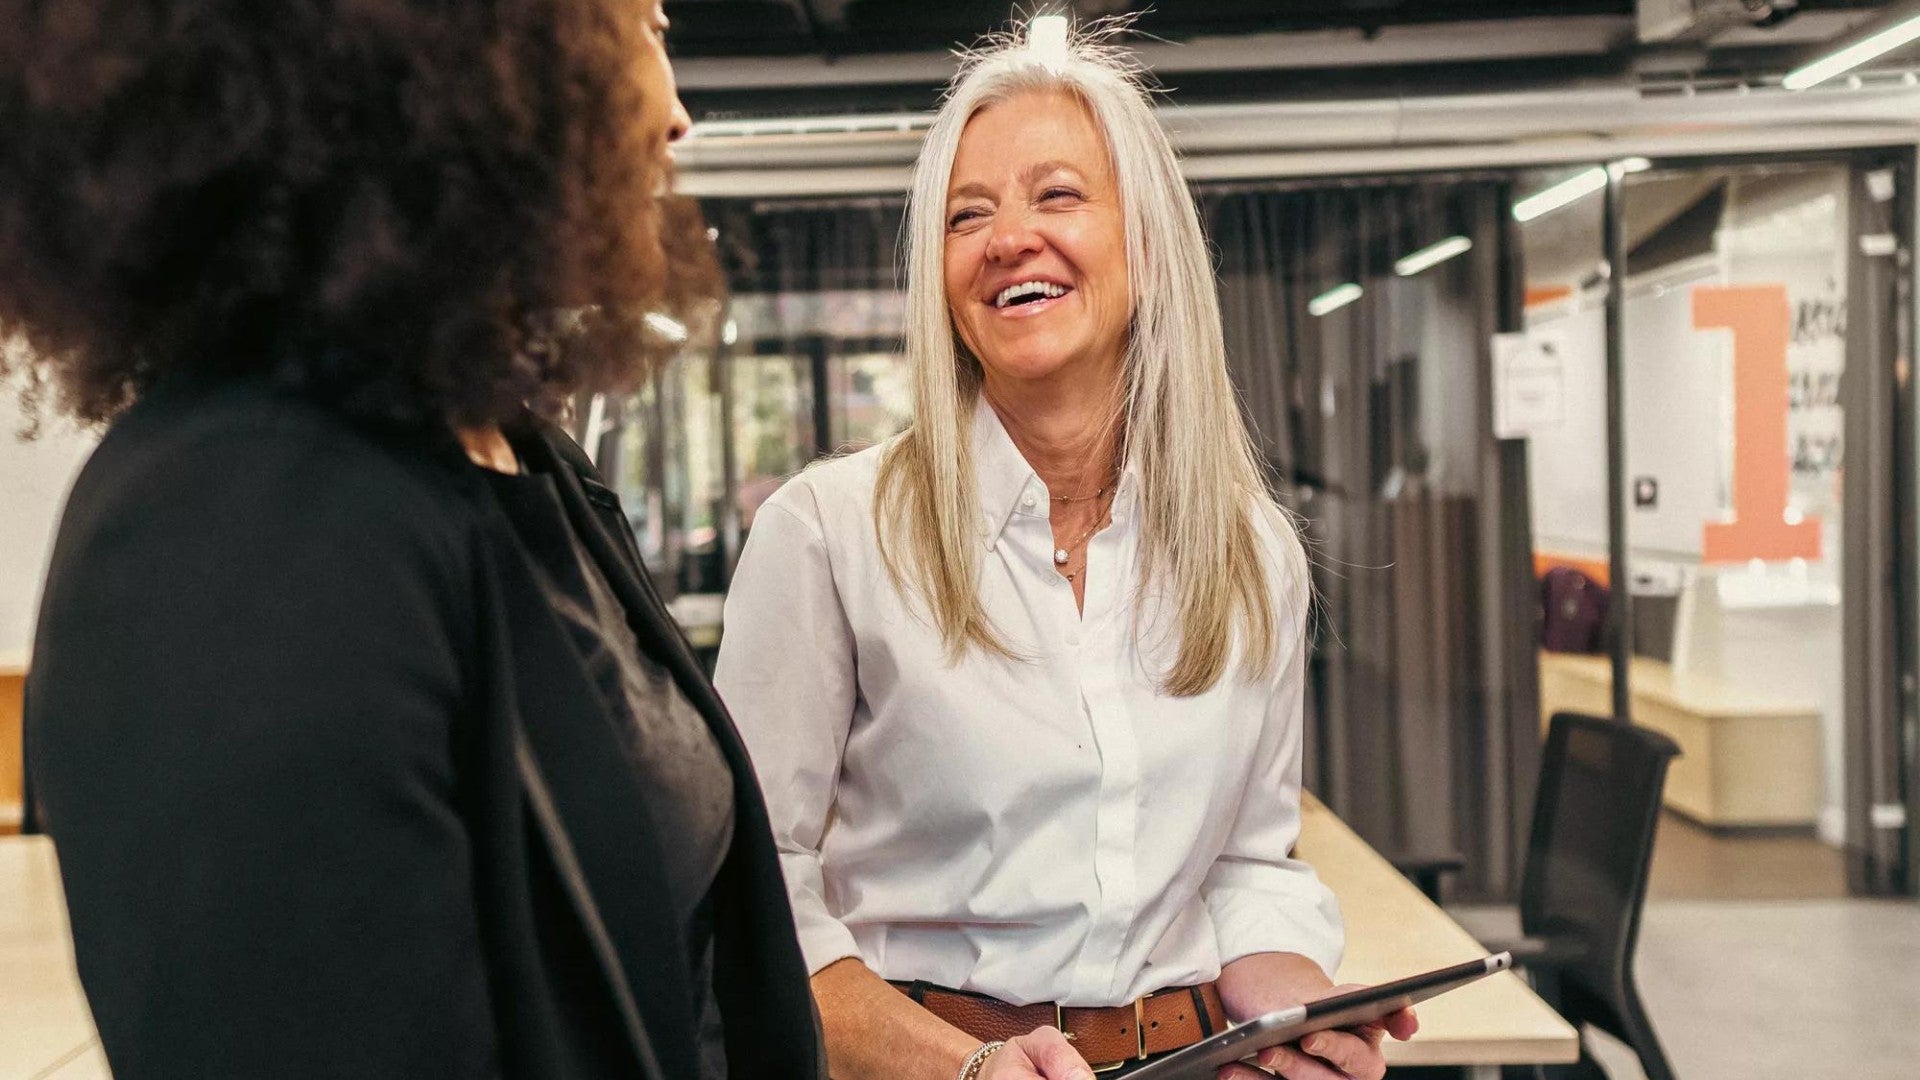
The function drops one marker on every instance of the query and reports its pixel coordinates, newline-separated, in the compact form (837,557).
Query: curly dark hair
(428,210)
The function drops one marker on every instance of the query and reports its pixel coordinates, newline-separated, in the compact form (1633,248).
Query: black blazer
(331,792)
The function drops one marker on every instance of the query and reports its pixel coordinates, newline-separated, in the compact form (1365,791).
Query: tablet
(1351,1009)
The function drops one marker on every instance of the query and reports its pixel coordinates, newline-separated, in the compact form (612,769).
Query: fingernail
(1314,1044)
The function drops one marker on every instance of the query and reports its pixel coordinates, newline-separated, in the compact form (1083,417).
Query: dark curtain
(769,247)
(1375,422)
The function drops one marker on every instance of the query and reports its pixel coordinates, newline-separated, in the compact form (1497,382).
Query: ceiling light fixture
(1431,256)
(1576,187)
(1334,299)
(1047,39)
(1571,190)
(1875,44)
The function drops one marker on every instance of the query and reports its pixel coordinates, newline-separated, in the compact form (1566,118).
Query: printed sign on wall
(1529,382)
(1816,357)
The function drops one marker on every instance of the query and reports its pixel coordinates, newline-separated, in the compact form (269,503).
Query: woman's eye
(962,218)
(1056,194)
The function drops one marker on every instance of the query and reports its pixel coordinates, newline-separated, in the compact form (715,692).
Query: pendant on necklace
(1060,556)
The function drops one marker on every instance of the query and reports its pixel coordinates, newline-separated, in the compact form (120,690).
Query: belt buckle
(1139,1036)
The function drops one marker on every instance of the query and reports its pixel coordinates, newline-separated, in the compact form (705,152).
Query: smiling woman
(1024,683)
(1031,235)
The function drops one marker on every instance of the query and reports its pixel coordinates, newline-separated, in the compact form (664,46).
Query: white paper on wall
(1529,382)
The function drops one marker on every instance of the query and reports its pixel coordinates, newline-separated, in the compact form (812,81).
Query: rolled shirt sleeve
(1260,897)
(786,672)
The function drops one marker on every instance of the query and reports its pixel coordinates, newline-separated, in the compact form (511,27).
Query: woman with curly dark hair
(365,744)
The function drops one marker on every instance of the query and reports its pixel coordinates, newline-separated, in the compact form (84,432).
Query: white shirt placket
(1089,633)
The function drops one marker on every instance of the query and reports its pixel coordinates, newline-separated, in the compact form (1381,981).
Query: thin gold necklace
(1083,498)
(1062,555)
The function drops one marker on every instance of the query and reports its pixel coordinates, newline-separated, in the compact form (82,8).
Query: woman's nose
(679,123)
(1012,238)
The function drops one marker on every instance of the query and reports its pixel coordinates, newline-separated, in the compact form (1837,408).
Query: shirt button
(1027,500)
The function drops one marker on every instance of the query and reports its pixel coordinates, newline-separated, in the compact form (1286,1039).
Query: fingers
(1373,1032)
(1354,1054)
(1289,1062)
(1053,1056)
(1403,1024)
(1237,1071)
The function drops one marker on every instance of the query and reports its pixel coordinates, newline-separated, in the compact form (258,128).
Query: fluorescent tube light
(1852,56)
(1572,189)
(1431,256)
(666,327)
(1630,165)
(1334,299)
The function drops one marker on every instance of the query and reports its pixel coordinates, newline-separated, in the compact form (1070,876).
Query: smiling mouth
(1029,294)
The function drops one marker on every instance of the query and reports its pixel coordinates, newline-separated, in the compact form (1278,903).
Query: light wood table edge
(1355,870)
(1443,1054)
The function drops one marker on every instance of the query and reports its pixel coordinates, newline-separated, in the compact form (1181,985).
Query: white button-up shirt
(1050,828)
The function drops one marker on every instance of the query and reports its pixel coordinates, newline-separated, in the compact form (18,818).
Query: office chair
(1585,879)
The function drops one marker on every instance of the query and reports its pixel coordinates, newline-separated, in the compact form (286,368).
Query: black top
(684,778)
(332,791)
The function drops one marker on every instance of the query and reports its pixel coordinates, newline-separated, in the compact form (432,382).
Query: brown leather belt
(1106,1037)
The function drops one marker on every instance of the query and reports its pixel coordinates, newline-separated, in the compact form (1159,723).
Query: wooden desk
(46,1032)
(1393,930)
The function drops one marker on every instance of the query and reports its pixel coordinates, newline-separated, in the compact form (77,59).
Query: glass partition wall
(1359,319)
(1447,482)
(1756,564)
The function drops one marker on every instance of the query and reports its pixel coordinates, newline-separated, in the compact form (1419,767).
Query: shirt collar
(1001,473)
(1004,479)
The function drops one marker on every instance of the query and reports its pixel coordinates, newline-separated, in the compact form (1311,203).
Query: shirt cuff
(1248,921)
(823,938)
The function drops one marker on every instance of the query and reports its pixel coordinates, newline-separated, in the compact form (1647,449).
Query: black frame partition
(1619,628)
(1907,484)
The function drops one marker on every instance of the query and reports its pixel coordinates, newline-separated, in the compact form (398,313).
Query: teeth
(1028,288)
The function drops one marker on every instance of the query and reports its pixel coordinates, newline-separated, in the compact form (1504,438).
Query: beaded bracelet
(971,1068)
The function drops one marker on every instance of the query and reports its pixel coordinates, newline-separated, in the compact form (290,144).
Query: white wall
(34,478)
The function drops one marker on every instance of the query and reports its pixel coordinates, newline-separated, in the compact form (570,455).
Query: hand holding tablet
(1368,1005)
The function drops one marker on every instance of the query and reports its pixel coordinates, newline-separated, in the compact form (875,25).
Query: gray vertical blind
(1375,421)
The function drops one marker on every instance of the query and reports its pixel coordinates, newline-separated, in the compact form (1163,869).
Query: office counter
(46,1032)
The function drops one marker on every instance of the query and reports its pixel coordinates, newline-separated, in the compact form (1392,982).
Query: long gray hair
(1200,485)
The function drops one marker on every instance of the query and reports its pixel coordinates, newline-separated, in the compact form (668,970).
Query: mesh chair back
(1593,828)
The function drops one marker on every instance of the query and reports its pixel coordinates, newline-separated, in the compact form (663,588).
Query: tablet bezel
(1237,1043)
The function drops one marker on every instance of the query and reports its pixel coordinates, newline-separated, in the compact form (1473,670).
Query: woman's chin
(1027,368)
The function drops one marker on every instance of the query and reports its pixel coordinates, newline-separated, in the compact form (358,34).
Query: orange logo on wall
(1761,321)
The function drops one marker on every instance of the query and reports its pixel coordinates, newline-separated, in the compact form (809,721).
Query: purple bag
(1573,611)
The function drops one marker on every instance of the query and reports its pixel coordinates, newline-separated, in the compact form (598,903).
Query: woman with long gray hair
(1023,685)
